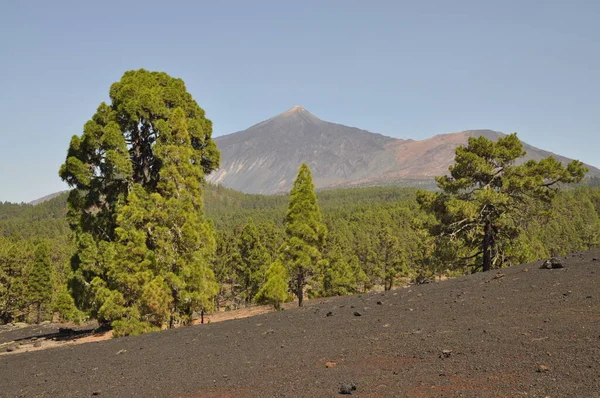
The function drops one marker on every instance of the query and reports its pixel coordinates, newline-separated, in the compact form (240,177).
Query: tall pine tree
(142,241)
(305,232)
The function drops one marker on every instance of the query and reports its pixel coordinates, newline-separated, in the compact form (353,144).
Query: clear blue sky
(398,68)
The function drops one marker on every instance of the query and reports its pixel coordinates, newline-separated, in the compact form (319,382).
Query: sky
(401,68)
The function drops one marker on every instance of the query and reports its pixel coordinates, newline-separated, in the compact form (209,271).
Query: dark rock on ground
(347,388)
(553,263)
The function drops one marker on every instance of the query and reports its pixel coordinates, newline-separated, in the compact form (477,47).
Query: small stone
(525,270)
(499,275)
(542,368)
(121,352)
(379,303)
(330,364)
(96,393)
(356,313)
(329,313)
(12,347)
(347,388)
(446,354)
(595,259)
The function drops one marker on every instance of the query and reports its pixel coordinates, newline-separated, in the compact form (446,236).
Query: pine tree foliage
(486,197)
(40,280)
(305,232)
(143,244)
(390,257)
(339,276)
(275,290)
(254,261)
(15,265)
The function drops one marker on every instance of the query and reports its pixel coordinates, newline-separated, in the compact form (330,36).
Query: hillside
(265,157)
(525,332)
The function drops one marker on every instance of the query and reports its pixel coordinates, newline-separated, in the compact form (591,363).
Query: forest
(142,242)
(364,224)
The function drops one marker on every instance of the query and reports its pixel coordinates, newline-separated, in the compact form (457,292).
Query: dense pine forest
(365,225)
(141,242)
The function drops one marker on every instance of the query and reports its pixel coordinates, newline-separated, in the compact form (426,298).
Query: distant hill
(46,198)
(265,157)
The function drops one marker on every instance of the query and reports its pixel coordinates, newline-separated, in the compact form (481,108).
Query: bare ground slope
(497,331)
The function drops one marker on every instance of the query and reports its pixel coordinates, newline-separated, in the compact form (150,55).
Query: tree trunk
(488,239)
(299,287)
(39,312)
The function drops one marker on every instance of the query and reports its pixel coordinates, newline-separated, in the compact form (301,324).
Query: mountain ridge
(265,157)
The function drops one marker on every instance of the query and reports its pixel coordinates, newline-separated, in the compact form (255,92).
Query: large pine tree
(136,206)
(305,232)
(482,204)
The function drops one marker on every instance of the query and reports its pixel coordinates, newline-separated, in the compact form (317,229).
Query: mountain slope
(265,157)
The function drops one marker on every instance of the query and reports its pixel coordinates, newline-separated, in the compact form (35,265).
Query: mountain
(265,157)
(46,198)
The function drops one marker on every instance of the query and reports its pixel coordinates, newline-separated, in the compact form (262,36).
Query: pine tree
(40,280)
(305,232)
(275,289)
(142,241)
(254,260)
(15,263)
(339,278)
(486,197)
(390,257)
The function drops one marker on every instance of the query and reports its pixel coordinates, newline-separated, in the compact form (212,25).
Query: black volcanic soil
(497,330)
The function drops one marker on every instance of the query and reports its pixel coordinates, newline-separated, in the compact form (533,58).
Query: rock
(525,270)
(11,347)
(330,364)
(329,313)
(551,263)
(499,275)
(356,313)
(379,303)
(347,388)
(595,259)
(446,354)
(422,279)
(542,369)
(37,343)
(121,352)
(96,393)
